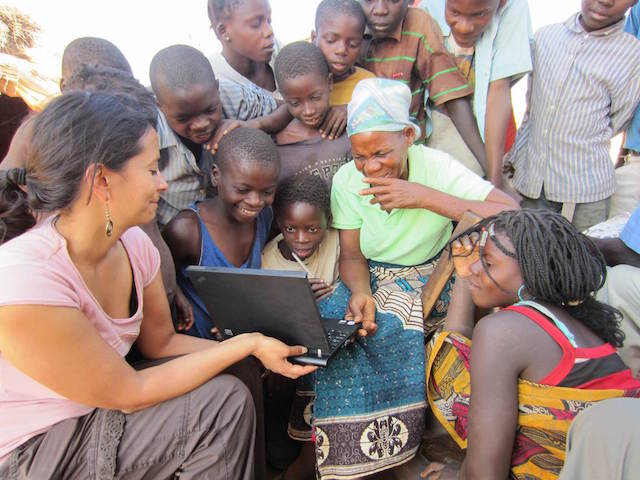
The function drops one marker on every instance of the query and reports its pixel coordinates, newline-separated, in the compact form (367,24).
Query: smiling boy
(190,112)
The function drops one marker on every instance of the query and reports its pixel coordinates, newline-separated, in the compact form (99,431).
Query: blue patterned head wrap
(379,105)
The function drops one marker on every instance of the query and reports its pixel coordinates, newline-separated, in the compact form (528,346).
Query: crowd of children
(350,156)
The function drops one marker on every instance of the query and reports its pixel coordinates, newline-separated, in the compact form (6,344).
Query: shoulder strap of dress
(557,322)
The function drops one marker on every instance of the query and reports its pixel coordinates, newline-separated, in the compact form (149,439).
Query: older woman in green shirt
(393,206)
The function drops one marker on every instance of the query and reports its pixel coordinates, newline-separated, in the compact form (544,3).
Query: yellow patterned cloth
(544,412)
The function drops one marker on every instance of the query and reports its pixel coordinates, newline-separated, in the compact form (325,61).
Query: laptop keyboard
(336,337)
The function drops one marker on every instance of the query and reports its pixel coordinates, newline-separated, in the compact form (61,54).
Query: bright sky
(142,27)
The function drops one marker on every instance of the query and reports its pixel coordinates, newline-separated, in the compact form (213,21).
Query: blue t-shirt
(631,233)
(632,26)
(211,256)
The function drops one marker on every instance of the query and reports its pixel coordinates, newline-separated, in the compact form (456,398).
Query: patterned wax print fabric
(369,411)
(545,412)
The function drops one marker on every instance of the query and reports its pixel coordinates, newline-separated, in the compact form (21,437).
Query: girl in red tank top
(533,365)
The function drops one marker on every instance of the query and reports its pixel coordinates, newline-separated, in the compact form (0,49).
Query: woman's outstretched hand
(273,355)
(362,309)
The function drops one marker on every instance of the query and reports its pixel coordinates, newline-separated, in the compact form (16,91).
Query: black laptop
(276,303)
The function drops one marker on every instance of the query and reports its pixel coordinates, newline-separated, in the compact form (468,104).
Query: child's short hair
(180,67)
(331,8)
(246,144)
(98,78)
(307,188)
(92,51)
(297,59)
(217,9)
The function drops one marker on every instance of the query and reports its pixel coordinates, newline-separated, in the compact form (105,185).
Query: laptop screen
(276,303)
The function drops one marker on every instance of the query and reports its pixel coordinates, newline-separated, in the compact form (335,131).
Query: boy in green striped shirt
(406,44)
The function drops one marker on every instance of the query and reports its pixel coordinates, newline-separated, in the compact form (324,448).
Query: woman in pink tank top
(532,366)
(77,290)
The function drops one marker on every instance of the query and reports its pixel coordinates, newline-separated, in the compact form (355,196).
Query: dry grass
(17,32)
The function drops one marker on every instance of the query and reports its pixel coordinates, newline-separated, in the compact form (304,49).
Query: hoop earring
(108,228)
(520,293)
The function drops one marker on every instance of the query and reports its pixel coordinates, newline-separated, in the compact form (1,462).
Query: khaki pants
(604,441)
(627,195)
(208,433)
(582,215)
(622,291)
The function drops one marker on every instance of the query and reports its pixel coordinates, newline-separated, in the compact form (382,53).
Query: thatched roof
(17,32)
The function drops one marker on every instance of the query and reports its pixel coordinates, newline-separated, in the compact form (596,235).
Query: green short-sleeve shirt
(404,236)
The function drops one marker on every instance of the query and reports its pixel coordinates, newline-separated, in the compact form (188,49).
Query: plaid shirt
(187,180)
(415,54)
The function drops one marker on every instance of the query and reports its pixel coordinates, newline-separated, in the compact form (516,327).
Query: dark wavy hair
(558,264)
(74,131)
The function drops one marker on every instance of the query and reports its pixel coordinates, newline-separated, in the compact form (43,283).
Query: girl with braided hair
(548,354)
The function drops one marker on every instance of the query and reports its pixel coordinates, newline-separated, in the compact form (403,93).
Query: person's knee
(623,281)
(224,395)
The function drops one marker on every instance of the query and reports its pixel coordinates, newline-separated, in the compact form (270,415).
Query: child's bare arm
(462,117)
(497,122)
(272,123)
(182,236)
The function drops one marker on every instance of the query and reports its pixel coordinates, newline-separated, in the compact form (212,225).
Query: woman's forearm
(179,344)
(181,375)
(354,273)
(497,121)
(453,207)
(461,309)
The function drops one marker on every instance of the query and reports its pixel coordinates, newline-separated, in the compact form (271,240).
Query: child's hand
(465,252)
(320,288)
(225,127)
(335,122)
(362,309)
(184,312)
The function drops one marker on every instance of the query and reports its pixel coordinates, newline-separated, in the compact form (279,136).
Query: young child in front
(406,44)
(302,210)
(491,43)
(230,229)
(585,89)
(303,213)
(305,83)
(190,113)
